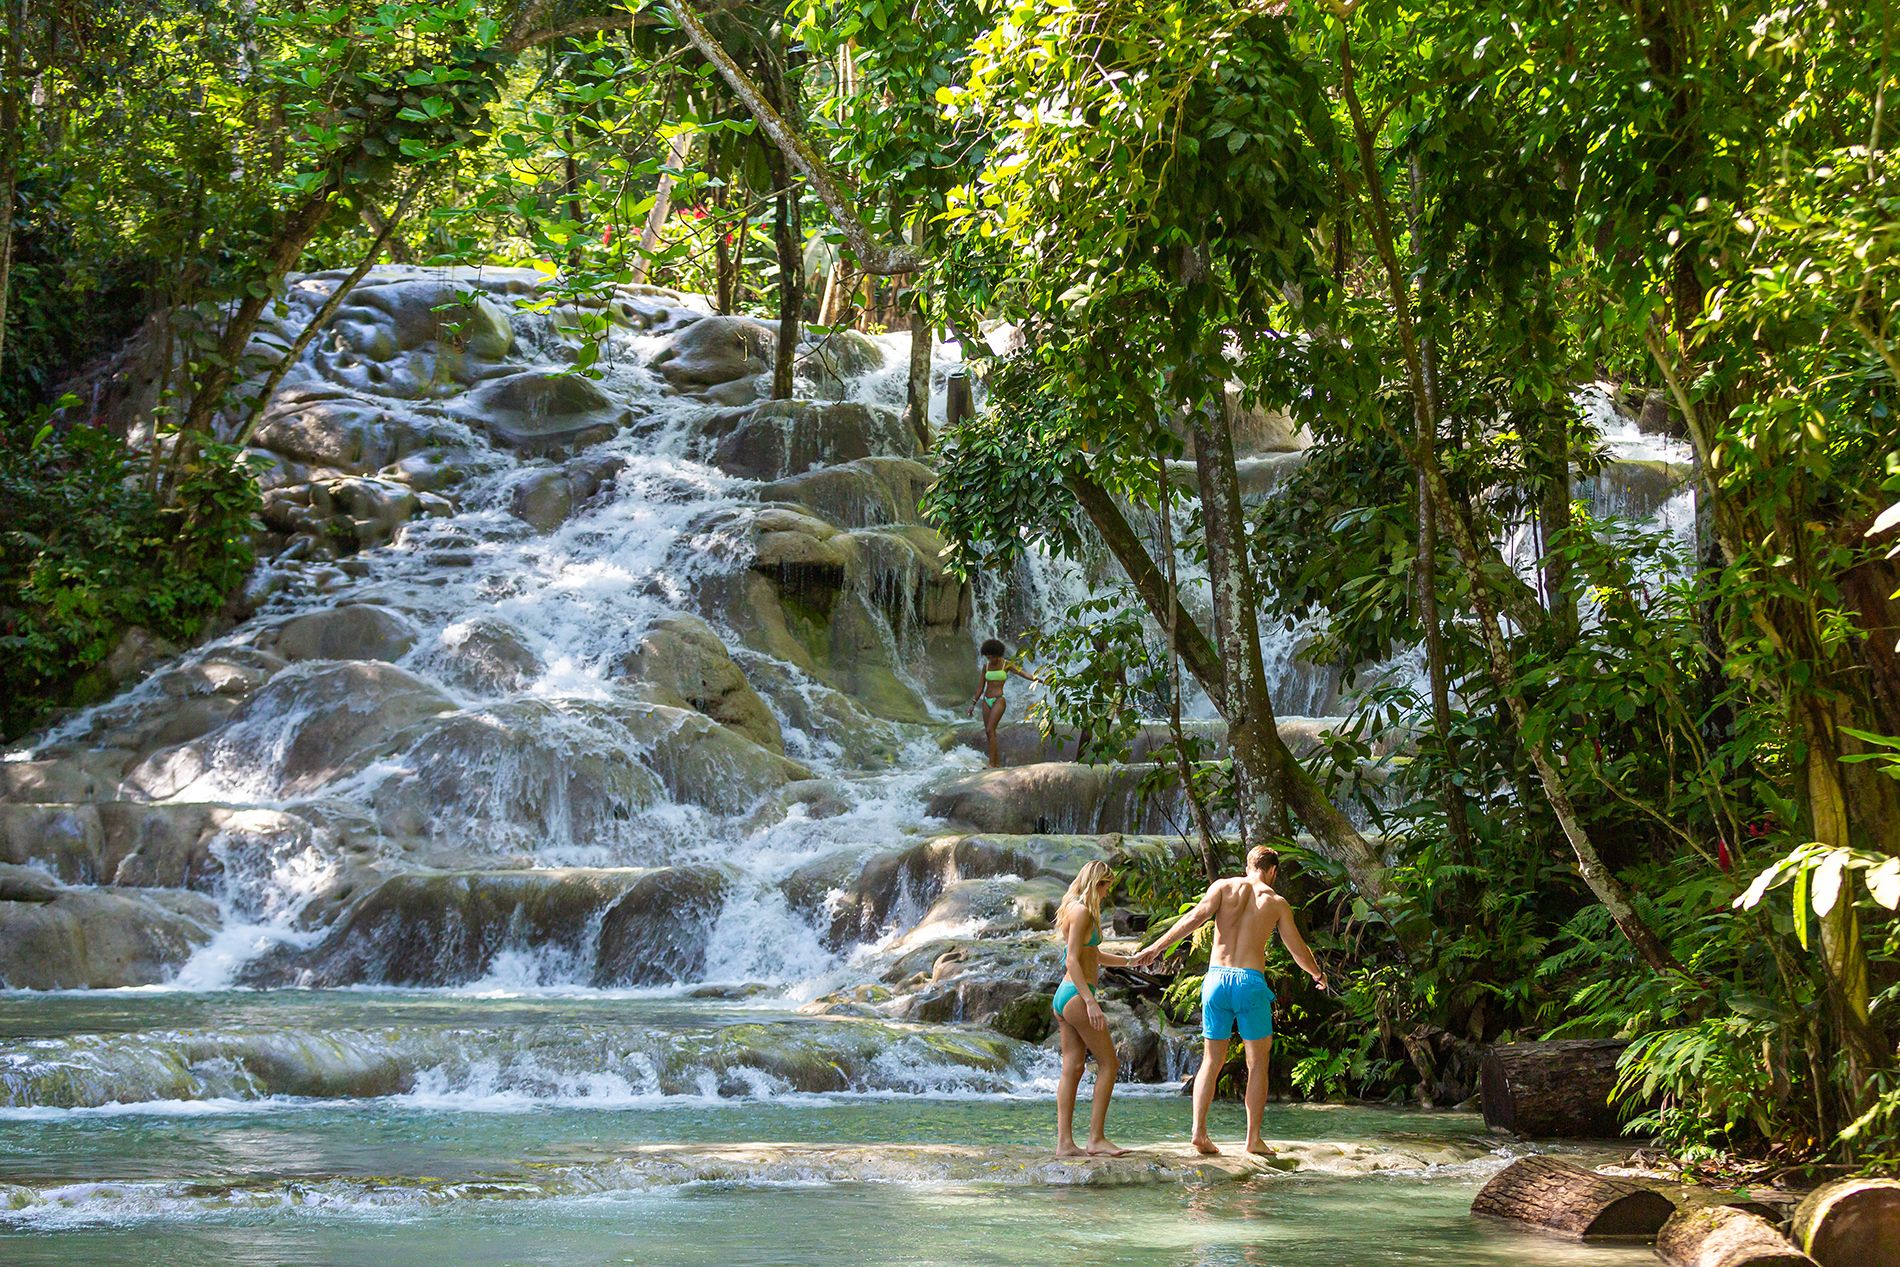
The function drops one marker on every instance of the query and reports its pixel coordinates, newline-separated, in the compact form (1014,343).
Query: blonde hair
(1085,889)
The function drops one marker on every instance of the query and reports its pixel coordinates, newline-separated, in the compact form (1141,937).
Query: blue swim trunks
(1231,996)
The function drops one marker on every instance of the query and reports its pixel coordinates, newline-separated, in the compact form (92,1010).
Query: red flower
(1722,856)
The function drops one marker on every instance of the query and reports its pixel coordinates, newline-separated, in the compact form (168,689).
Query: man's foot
(1260,1149)
(1204,1146)
(1102,1148)
(1069,1150)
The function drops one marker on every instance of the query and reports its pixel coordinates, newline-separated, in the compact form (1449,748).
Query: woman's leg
(992,718)
(1107,1065)
(1074,1052)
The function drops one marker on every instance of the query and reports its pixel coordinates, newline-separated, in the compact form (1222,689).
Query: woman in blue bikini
(1079,1017)
(989,692)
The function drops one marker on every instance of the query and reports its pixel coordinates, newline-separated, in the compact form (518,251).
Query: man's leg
(1213,1056)
(1259,1055)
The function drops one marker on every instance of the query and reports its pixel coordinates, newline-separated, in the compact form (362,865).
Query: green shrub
(88,551)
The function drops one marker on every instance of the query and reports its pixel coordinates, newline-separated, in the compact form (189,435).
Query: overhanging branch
(873,256)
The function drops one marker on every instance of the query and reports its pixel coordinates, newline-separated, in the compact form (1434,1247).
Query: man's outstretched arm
(1297,947)
(1202,912)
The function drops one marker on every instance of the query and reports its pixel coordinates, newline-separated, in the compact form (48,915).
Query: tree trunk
(1264,767)
(677,151)
(873,256)
(958,406)
(1160,598)
(10,143)
(1236,625)
(917,389)
(1561,1198)
(725,268)
(1487,575)
(1552,1090)
(788,237)
(320,319)
(1723,1236)
(1851,1223)
(1203,824)
(571,190)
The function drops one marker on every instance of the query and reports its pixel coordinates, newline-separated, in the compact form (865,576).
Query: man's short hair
(1263,858)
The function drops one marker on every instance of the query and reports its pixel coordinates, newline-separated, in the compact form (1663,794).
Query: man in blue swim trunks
(1246,913)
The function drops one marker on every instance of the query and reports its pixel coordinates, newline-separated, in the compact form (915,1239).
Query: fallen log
(1552,1090)
(1571,1201)
(1724,1236)
(1851,1223)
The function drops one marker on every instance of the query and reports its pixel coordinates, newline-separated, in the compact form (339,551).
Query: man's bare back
(1247,912)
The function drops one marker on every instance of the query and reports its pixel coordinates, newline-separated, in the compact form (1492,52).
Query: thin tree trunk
(1265,752)
(10,142)
(1236,625)
(1160,597)
(677,151)
(788,237)
(399,252)
(571,190)
(837,196)
(324,315)
(923,338)
(1601,880)
(1210,851)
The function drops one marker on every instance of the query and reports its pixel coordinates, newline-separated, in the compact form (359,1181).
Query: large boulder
(316,724)
(544,411)
(360,631)
(1057,796)
(685,664)
(95,939)
(327,428)
(870,492)
(787,437)
(606,926)
(859,897)
(522,773)
(719,359)
(487,655)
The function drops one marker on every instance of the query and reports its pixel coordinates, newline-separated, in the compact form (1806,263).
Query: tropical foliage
(1636,786)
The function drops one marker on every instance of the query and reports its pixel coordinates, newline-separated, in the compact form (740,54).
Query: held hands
(1145,958)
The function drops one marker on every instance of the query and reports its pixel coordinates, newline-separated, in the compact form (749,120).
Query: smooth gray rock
(360,631)
(719,358)
(686,665)
(321,723)
(98,939)
(542,411)
(489,656)
(543,500)
(789,437)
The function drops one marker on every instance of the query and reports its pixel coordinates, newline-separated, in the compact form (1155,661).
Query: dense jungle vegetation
(1647,793)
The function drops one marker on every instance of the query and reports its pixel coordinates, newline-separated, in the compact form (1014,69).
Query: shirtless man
(1246,913)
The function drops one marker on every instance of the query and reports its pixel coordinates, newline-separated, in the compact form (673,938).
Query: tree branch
(873,256)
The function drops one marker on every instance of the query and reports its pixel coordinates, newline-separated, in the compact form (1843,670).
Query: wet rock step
(666,1166)
(644,1060)
(1024,743)
(1062,797)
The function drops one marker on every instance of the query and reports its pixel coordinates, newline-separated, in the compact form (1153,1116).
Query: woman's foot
(1259,1148)
(1069,1150)
(1204,1146)
(1102,1148)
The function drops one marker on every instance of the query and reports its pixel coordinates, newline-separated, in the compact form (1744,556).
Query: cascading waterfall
(585,752)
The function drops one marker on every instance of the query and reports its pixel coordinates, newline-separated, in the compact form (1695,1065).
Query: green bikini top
(1095,939)
(995,675)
